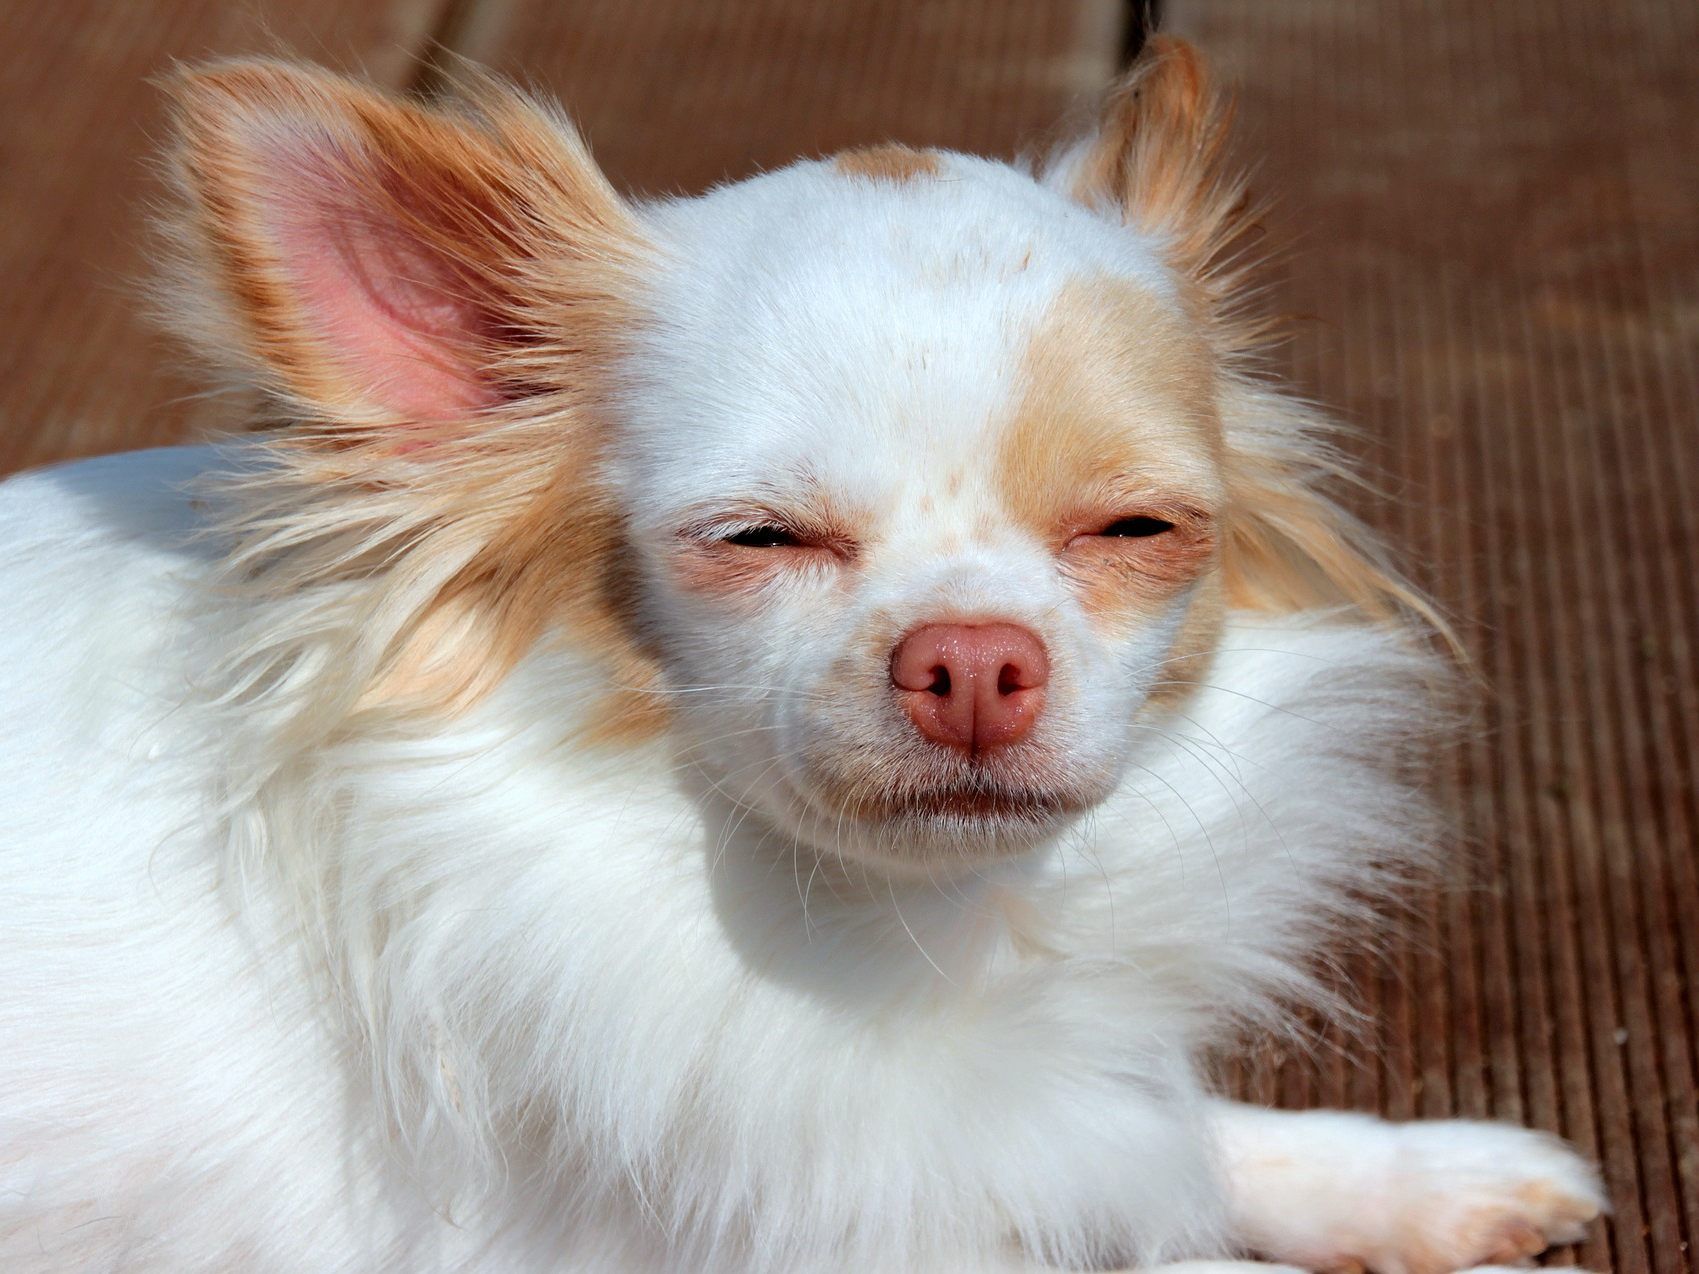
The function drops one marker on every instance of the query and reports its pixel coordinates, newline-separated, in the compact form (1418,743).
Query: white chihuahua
(775,732)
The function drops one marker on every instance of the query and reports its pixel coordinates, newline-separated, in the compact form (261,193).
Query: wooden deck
(1495,212)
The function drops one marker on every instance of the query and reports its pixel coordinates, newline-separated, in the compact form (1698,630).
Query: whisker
(713,688)
(1247,650)
(1267,818)
(891,888)
(1221,875)
(1228,690)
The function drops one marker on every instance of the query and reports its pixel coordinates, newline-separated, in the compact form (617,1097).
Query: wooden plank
(678,94)
(1495,213)
(81,371)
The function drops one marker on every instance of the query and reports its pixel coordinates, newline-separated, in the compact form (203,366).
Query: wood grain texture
(1496,213)
(675,96)
(81,369)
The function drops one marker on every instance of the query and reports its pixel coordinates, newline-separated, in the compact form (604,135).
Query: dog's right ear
(379,264)
(1156,159)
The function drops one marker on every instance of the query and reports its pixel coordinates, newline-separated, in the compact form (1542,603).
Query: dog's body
(528,850)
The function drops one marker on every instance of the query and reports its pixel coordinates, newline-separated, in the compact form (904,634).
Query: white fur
(594,1009)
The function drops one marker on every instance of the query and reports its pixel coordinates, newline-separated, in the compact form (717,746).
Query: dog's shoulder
(141,499)
(97,561)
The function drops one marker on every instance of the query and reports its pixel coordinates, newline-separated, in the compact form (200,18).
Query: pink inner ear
(378,301)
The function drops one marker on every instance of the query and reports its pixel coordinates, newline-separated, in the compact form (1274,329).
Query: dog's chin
(930,829)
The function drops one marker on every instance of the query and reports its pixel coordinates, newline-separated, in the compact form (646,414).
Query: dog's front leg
(1334,1191)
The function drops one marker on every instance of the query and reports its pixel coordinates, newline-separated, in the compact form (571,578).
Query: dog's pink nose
(975,687)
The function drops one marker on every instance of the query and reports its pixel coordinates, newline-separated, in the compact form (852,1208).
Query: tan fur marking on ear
(892,162)
(1159,154)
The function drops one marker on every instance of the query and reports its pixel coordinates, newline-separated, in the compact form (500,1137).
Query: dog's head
(895,489)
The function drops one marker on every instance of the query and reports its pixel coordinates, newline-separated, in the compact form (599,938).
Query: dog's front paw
(1460,1195)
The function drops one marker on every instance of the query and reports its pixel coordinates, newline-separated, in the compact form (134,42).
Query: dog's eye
(1136,528)
(764,537)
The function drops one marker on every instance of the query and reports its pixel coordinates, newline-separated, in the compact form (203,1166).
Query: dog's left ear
(1155,160)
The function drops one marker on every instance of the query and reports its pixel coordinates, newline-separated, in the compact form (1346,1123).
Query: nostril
(940,685)
(1009,680)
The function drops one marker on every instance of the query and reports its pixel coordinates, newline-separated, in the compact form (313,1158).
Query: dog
(786,730)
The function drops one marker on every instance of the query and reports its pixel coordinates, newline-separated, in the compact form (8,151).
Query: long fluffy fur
(638,1029)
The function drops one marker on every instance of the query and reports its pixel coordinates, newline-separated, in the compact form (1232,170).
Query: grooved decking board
(675,96)
(1496,210)
(81,371)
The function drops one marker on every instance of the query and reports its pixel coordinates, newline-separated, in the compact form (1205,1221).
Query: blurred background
(1492,215)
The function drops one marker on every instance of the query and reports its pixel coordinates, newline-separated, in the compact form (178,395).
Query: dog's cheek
(1092,693)
(830,671)
(1175,674)
(769,660)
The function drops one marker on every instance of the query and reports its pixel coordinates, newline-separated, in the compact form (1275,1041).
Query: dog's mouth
(941,823)
(964,801)
(964,804)
(913,816)
(914,802)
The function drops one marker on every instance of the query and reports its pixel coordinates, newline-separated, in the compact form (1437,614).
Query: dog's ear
(1156,160)
(377,263)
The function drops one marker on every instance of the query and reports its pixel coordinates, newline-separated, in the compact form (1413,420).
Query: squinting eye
(764,537)
(1136,528)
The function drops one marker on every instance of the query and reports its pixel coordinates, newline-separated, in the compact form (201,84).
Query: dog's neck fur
(582,963)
